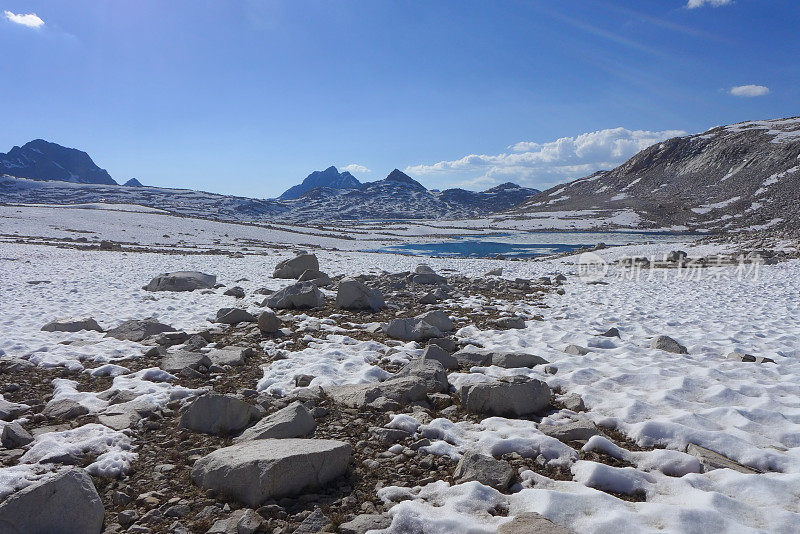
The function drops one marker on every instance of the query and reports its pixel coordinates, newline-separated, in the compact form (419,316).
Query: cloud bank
(545,164)
(749,90)
(355,167)
(31,20)
(693,4)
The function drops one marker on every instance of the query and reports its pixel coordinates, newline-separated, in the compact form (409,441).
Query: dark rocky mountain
(42,160)
(330,178)
(745,176)
(133,182)
(398,196)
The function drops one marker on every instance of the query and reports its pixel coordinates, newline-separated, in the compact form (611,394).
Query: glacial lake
(530,244)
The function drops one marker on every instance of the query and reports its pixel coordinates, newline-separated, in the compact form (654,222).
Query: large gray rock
(295,267)
(580,430)
(411,329)
(268,322)
(227,356)
(64,503)
(668,344)
(485,469)
(318,278)
(439,319)
(234,316)
(397,390)
(213,413)
(353,294)
(437,353)
(64,409)
(139,329)
(296,296)
(294,421)
(257,470)
(576,350)
(531,523)
(510,397)
(425,275)
(181,281)
(175,362)
(511,360)
(11,410)
(14,436)
(472,356)
(360,524)
(72,325)
(430,371)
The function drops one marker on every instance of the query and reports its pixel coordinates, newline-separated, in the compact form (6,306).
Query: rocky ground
(219,452)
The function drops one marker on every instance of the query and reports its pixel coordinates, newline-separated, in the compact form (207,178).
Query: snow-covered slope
(745,176)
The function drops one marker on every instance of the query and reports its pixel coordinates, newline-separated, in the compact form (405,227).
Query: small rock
(234,316)
(743,357)
(668,344)
(511,397)
(611,332)
(297,296)
(360,524)
(295,267)
(294,421)
(353,294)
(64,409)
(485,469)
(235,291)
(139,329)
(531,523)
(14,436)
(576,350)
(435,352)
(181,281)
(72,325)
(315,522)
(268,322)
(213,413)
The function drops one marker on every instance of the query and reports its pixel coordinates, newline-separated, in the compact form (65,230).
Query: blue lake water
(529,244)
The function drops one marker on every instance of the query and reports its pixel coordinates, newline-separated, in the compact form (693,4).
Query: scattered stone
(426,276)
(181,281)
(713,460)
(234,316)
(175,362)
(14,436)
(437,353)
(355,295)
(677,256)
(668,344)
(576,350)
(11,410)
(168,339)
(485,469)
(360,524)
(437,318)
(516,396)
(580,430)
(64,409)
(139,329)
(512,360)
(495,272)
(411,329)
(195,343)
(66,502)
(531,523)
(315,522)
(611,332)
(235,291)
(213,413)
(573,402)
(318,278)
(744,357)
(386,436)
(297,296)
(72,325)
(294,421)
(295,267)
(507,323)
(254,471)
(268,322)
(303,381)
(227,356)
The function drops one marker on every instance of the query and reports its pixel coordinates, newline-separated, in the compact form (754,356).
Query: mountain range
(744,176)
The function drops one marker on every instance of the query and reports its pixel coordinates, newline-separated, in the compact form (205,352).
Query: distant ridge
(133,182)
(42,160)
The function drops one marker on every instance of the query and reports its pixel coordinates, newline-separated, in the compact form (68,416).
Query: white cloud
(749,90)
(540,164)
(31,20)
(355,167)
(713,3)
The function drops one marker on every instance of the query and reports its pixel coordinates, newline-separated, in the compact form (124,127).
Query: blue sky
(249,97)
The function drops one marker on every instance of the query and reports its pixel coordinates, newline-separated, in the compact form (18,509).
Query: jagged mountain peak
(330,178)
(45,160)
(133,182)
